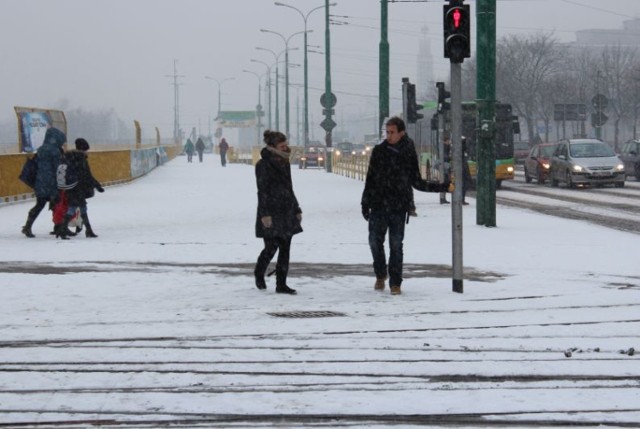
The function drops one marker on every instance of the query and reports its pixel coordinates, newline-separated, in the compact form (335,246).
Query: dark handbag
(29,172)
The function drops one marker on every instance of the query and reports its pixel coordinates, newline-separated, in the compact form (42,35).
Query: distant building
(629,35)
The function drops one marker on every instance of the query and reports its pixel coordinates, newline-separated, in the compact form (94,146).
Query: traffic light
(412,106)
(443,95)
(457,38)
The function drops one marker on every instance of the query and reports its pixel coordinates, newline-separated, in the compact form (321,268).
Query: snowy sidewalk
(158,321)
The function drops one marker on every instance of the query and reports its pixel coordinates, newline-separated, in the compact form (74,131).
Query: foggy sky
(117,53)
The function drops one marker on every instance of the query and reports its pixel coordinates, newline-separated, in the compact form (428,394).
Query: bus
(507,126)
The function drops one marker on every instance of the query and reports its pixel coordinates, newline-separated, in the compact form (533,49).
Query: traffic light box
(412,106)
(443,95)
(457,38)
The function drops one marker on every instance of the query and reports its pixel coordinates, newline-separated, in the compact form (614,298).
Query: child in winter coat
(77,196)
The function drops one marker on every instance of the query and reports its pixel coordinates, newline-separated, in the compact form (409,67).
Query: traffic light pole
(456,160)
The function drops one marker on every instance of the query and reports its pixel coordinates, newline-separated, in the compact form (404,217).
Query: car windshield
(590,150)
(547,151)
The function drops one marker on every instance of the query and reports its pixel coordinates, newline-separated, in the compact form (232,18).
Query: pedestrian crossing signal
(457,38)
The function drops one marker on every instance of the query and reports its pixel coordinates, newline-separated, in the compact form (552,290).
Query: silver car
(586,162)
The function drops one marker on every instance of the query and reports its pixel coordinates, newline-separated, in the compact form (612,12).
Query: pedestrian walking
(200,148)
(386,200)
(279,216)
(223,146)
(49,156)
(446,159)
(78,162)
(188,149)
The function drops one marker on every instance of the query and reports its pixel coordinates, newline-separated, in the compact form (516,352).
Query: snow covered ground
(158,320)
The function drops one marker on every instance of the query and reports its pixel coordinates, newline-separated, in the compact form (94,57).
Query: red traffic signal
(457,38)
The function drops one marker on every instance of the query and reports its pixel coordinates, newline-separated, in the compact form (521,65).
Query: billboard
(33,124)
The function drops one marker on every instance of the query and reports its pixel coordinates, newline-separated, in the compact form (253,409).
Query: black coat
(276,197)
(77,196)
(393,171)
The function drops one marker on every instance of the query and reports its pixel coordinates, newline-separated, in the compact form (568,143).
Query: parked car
(313,156)
(586,162)
(630,157)
(521,151)
(538,162)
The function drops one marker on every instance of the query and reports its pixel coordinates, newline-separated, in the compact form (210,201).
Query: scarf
(282,154)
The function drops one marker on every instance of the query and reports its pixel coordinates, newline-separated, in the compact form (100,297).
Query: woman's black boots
(88,231)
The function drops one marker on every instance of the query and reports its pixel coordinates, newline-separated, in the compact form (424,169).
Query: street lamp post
(220,83)
(268,83)
(259,105)
(277,58)
(286,79)
(306,69)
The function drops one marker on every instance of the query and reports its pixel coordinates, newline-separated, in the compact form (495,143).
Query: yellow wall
(108,167)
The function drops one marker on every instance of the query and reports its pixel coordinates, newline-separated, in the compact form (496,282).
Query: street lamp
(306,69)
(259,106)
(286,61)
(277,58)
(220,83)
(267,83)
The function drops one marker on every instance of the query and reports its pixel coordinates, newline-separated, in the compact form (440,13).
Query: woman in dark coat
(46,188)
(77,196)
(279,214)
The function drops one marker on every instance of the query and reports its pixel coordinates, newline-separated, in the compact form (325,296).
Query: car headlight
(337,152)
(577,168)
(546,165)
(320,158)
(509,169)
(620,167)
(303,158)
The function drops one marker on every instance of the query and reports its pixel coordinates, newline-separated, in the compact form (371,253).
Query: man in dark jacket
(200,148)
(46,188)
(387,197)
(279,214)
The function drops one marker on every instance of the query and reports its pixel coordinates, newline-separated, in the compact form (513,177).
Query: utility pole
(176,103)
(486,95)
(328,99)
(383,86)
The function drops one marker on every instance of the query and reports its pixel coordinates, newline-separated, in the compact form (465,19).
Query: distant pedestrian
(279,216)
(446,159)
(223,146)
(49,156)
(77,196)
(386,200)
(188,149)
(200,148)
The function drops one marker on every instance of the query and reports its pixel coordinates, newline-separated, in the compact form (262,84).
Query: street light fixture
(277,61)
(306,69)
(220,83)
(268,83)
(286,61)
(259,105)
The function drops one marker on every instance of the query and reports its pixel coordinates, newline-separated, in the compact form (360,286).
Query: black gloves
(365,213)
(99,188)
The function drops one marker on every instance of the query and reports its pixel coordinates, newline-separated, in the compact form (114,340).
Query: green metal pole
(328,93)
(383,101)
(306,88)
(486,100)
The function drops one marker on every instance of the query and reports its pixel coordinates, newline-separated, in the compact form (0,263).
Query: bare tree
(618,65)
(523,67)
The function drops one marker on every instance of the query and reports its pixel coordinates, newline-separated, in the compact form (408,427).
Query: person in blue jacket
(46,189)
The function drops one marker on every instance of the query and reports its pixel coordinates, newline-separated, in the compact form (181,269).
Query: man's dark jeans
(379,223)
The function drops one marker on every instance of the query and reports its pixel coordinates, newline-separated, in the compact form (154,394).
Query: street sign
(599,102)
(598,119)
(328,124)
(329,103)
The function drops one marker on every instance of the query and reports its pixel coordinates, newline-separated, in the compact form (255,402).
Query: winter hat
(82,144)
